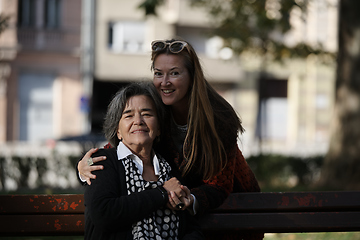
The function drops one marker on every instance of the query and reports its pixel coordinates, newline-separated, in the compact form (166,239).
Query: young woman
(203,126)
(128,198)
(201,132)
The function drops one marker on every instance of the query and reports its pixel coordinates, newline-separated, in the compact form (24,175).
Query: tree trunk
(341,169)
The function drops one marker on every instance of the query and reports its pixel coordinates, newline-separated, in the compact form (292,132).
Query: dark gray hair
(118,104)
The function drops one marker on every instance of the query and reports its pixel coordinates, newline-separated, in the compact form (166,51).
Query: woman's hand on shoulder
(85,169)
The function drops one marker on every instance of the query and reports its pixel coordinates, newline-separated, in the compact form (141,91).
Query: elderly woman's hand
(174,185)
(85,167)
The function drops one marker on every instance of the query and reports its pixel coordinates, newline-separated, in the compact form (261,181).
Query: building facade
(286,108)
(43,89)
(66,58)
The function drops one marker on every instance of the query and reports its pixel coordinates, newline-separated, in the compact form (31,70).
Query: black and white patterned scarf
(161,224)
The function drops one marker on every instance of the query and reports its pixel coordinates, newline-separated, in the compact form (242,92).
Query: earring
(119,137)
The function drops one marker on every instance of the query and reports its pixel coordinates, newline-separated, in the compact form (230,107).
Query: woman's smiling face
(172,79)
(138,125)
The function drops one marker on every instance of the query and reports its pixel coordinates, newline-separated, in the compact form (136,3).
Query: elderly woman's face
(138,125)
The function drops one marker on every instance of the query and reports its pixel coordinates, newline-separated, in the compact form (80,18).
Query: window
(274,123)
(52,14)
(39,13)
(27,13)
(212,47)
(127,37)
(272,116)
(36,106)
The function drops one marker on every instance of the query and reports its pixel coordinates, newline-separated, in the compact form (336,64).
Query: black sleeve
(77,172)
(209,197)
(107,201)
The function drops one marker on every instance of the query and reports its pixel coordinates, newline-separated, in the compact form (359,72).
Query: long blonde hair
(206,144)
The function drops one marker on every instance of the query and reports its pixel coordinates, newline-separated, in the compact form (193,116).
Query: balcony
(48,40)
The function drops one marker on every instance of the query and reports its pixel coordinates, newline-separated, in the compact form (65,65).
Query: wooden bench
(50,215)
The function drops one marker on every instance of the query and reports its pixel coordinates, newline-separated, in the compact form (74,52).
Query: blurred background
(287,68)
(290,68)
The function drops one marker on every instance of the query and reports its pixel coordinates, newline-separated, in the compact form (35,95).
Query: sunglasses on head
(174,47)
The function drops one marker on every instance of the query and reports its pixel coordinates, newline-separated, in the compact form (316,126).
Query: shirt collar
(123,152)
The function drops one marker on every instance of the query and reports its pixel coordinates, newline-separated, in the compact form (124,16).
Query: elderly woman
(129,197)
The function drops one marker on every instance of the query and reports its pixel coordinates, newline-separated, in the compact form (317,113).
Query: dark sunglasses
(174,47)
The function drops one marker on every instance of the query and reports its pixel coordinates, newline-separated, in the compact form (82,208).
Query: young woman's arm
(235,177)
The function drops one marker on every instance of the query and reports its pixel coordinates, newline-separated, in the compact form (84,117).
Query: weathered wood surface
(25,215)
(49,215)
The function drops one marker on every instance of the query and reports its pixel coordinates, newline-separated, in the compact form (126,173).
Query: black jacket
(110,212)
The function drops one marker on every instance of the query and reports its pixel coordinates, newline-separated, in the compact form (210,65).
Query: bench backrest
(63,214)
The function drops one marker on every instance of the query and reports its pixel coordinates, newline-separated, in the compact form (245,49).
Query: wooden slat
(47,215)
(291,202)
(47,225)
(42,225)
(42,204)
(236,202)
(282,222)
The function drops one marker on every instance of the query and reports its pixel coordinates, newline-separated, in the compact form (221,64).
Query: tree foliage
(149,6)
(252,25)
